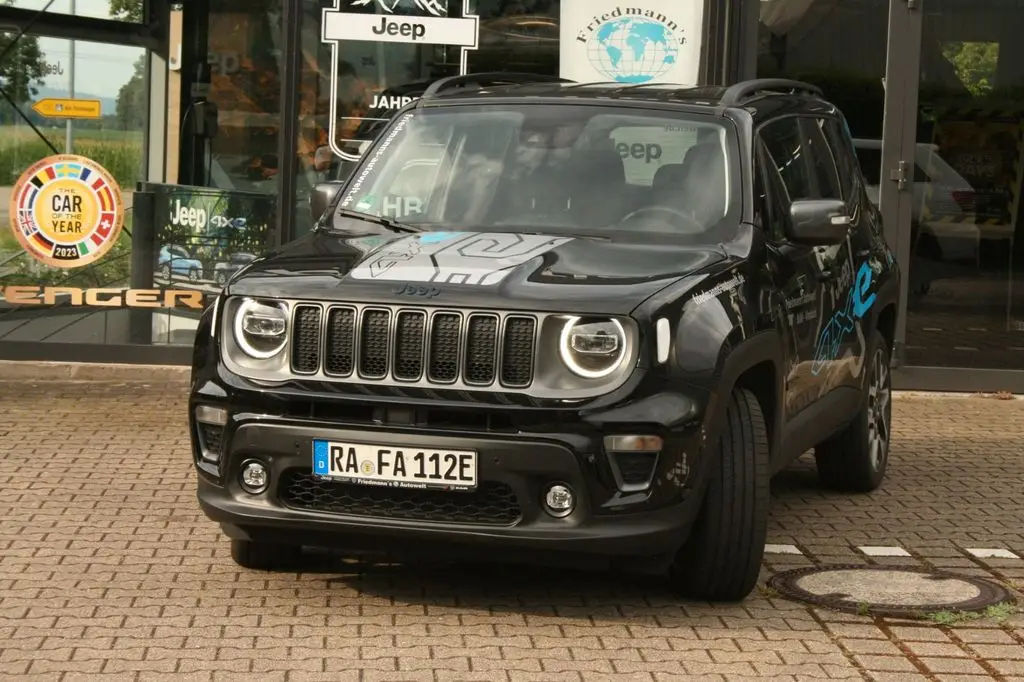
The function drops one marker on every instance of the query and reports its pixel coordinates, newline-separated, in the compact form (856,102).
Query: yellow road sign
(68,108)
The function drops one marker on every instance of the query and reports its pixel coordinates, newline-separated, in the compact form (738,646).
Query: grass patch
(119,151)
(997,613)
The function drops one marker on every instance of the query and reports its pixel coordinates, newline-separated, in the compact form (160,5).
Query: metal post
(69,133)
(143,261)
(287,144)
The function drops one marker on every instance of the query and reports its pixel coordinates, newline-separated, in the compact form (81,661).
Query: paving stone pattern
(108,570)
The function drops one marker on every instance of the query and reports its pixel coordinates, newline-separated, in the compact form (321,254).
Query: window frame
(811,127)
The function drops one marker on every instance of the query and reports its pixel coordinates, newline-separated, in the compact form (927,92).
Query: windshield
(581,168)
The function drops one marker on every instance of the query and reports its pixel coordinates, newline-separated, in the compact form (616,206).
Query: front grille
(306,349)
(477,350)
(210,440)
(374,344)
(492,504)
(635,468)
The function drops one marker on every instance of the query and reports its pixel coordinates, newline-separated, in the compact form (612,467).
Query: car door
(865,246)
(802,276)
(836,363)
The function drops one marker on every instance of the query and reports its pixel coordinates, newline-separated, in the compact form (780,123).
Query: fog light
(211,415)
(255,477)
(559,500)
(633,443)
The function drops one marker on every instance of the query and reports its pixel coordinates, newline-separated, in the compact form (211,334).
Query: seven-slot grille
(442,347)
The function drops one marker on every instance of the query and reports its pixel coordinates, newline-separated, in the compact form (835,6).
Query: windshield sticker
(372,163)
(455,257)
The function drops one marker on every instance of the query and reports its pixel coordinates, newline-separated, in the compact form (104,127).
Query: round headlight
(592,348)
(261,328)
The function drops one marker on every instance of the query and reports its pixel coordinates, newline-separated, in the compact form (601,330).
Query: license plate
(396,467)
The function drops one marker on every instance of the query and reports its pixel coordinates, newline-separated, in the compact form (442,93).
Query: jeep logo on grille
(410,290)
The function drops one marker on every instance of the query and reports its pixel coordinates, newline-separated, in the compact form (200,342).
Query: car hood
(524,271)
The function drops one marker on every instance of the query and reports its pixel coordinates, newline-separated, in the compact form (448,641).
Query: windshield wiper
(392,225)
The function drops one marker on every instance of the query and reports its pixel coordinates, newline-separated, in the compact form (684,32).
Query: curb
(11,370)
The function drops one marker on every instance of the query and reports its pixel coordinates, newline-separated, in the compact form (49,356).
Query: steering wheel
(691,223)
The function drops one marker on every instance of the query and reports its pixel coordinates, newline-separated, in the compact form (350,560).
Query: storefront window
(124,10)
(72,148)
(245,66)
(966,299)
(372,79)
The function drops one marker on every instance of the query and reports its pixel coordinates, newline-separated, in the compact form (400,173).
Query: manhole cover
(888,590)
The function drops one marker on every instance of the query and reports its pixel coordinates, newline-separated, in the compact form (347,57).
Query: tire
(721,560)
(193,275)
(856,459)
(263,556)
(221,279)
(165,273)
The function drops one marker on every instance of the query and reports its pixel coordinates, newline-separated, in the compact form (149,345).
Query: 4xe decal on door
(858,303)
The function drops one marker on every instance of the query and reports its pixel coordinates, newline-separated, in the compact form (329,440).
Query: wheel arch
(757,364)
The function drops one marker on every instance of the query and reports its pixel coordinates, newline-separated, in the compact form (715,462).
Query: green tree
(23,70)
(131,99)
(975,64)
(127,10)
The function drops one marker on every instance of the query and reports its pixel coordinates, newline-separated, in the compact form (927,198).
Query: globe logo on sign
(633,49)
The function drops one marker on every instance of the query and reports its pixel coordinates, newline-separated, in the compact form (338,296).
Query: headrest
(708,157)
(669,176)
(599,164)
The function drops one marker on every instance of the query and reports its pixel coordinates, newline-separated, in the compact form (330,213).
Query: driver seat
(703,182)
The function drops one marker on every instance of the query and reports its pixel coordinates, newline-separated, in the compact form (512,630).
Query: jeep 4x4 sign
(413,22)
(435,27)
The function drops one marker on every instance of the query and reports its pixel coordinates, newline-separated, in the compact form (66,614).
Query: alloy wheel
(879,410)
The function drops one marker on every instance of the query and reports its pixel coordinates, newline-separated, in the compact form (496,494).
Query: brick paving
(108,570)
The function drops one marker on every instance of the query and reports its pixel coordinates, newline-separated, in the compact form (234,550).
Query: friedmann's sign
(411,22)
(647,41)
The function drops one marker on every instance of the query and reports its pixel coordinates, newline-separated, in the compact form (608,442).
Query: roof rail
(490,78)
(741,91)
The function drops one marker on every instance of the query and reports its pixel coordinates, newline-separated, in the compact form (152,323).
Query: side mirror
(818,222)
(321,197)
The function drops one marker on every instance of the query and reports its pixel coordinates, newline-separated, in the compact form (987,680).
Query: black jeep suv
(557,321)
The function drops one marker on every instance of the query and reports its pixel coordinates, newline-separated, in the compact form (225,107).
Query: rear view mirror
(322,196)
(818,222)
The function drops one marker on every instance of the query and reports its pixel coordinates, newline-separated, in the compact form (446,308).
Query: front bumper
(505,512)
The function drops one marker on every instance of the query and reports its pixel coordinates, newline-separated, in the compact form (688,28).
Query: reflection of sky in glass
(101,69)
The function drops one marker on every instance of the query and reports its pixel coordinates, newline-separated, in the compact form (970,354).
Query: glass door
(961,210)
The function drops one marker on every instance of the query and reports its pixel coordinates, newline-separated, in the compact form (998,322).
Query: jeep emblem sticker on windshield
(454,257)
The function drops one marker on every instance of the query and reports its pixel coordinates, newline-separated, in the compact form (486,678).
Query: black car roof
(492,86)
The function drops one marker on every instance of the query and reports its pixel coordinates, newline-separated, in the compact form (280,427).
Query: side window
(822,160)
(847,160)
(785,145)
(770,195)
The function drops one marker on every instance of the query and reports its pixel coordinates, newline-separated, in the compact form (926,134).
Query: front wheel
(855,459)
(722,558)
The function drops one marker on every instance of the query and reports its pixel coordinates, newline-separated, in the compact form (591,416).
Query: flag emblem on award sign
(66,211)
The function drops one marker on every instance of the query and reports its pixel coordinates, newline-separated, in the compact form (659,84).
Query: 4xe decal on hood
(858,303)
(454,257)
